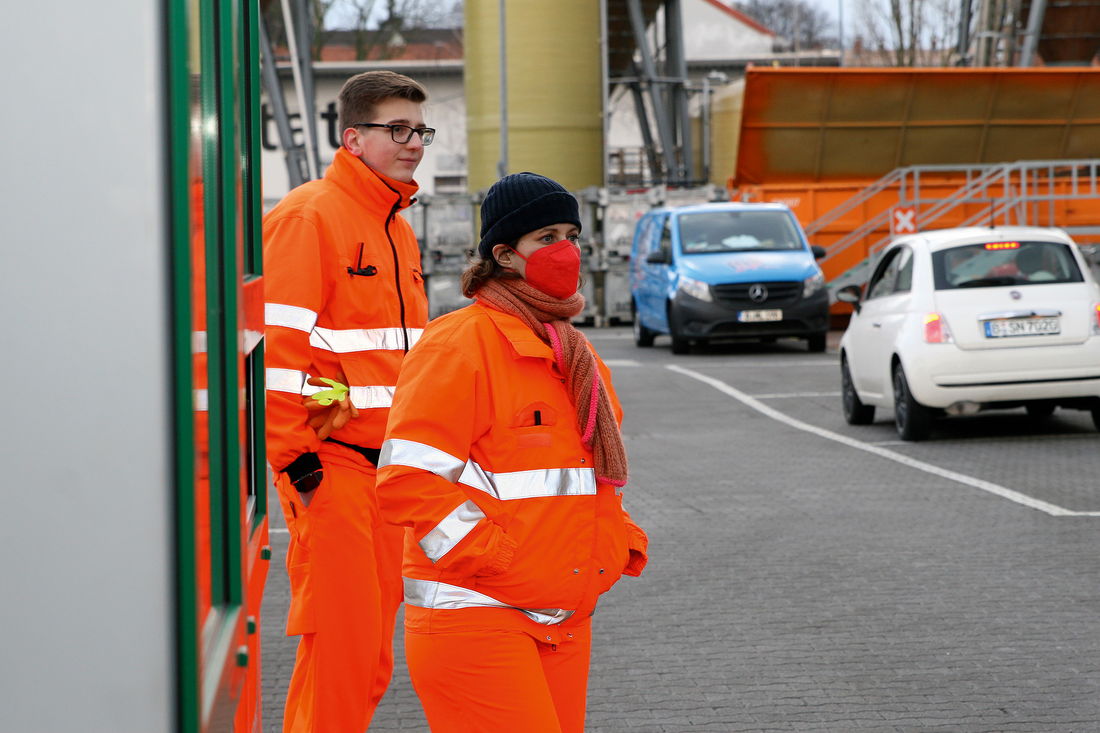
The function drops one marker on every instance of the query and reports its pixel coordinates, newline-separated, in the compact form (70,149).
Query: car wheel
(680,344)
(1040,410)
(913,420)
(642,336)
(855,412)
(815,342)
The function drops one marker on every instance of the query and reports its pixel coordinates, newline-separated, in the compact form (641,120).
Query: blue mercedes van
(726,271)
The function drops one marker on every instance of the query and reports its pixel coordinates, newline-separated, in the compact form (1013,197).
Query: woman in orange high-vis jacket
(503,460)
(345,301)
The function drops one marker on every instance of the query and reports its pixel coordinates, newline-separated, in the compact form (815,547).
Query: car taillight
(936,330)
(1096,320)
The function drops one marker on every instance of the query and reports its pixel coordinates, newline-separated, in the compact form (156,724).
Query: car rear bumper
(699,319)
(947,376)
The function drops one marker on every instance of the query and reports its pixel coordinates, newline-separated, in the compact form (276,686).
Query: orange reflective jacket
(344,293)
(484,462)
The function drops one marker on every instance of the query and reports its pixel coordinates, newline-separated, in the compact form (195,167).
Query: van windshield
(737,231)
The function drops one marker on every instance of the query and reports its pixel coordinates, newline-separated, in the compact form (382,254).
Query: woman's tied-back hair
(362,92)
(481,271)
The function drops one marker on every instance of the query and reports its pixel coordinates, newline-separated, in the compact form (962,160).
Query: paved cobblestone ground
(796,584)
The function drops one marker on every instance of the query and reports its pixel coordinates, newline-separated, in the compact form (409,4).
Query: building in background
(720,43)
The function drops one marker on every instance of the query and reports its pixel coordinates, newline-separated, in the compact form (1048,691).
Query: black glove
(305,473)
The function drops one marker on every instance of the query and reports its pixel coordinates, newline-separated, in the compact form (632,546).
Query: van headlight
(812,284)
(696,289)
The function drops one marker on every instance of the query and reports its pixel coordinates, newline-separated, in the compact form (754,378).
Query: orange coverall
(344,295)
(510,539)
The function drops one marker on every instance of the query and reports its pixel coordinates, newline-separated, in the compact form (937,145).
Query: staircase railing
(1026,188)
(867,193)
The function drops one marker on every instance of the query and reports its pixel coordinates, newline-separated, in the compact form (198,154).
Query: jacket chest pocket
(362,285)
(531,425)
(354,264)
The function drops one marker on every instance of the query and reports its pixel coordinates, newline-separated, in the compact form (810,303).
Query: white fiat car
(960,320)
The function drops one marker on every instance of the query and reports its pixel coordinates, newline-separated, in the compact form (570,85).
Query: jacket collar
(364,183)
(524,342)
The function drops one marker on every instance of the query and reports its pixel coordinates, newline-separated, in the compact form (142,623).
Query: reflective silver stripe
(432,594)
(198,342)
(344,341)
(476,477)
(290,380)
(287,380)
(368,397)
(202,400)
(420,455)
(506,486)
(290,316)
(249,339)
(448,533)
(539,482)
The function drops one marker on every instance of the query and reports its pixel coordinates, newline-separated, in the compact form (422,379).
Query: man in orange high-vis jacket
(345,300)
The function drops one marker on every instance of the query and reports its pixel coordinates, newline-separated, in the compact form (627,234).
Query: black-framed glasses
(401,134)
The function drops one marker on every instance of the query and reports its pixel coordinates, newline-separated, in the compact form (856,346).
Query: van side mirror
(849,294)
(660,257)
(818,251)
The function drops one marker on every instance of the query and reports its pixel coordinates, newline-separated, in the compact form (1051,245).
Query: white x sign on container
(903,220)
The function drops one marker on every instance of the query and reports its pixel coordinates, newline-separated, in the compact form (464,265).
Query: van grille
(737,294)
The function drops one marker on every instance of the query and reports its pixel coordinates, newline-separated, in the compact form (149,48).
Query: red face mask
(555,268)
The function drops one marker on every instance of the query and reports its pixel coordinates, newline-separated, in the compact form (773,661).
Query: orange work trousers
(345,588)
(487,681)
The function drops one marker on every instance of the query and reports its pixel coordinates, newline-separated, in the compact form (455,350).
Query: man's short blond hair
(363,92)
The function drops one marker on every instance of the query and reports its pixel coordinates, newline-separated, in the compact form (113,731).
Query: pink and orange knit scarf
(549,318)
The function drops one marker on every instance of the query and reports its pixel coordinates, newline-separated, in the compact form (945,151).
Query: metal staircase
(1024,193)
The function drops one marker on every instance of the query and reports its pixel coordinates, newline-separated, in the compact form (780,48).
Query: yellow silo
(554,90)
(725,132)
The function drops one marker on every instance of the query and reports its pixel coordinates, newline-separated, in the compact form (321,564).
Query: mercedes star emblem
(758,293)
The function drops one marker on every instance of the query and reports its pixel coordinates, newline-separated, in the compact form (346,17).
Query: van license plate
(760,316)
(1006,327)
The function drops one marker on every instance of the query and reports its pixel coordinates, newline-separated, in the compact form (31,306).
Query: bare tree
(361,11)
(802,24)
(375,29)
(318,10)
(905,32)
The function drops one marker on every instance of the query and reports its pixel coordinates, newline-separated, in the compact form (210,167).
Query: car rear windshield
(995,264)
(736,231)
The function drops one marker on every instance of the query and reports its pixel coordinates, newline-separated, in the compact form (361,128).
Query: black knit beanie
(520,203)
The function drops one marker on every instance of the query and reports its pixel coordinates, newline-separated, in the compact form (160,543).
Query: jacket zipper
(397,272)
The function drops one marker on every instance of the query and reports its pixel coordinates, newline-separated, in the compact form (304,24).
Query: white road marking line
(607,335)
(977,483)
(745,363)
(623,363)
(785,395)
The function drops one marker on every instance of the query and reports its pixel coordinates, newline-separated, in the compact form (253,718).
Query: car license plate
(1006,327)
(760,316)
